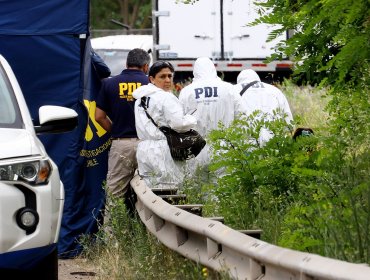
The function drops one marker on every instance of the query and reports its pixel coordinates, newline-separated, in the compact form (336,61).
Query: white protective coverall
(261,96)
(212,101)
(155,162)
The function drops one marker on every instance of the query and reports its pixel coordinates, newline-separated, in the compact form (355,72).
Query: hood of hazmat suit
(263,97)
(209,98)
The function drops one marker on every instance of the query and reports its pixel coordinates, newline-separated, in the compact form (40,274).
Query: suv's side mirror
(56,119)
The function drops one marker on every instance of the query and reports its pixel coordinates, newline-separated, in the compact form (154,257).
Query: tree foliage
(331,37)
(134,13)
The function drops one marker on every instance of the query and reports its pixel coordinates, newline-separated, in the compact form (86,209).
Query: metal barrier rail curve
(221,248)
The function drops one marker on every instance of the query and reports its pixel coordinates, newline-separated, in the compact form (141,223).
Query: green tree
(331,38)
(133,13)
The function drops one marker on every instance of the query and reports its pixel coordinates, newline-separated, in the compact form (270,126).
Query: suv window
(10,116)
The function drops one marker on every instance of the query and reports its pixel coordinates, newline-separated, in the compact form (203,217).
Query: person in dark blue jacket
(115,113)
(100,67)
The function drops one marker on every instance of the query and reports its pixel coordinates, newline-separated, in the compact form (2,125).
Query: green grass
(130,252)
(124,249)
(307,104)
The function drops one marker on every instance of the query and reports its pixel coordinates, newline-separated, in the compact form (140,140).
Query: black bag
(183,145)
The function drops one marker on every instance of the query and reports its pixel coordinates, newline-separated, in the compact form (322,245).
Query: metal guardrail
(221,248)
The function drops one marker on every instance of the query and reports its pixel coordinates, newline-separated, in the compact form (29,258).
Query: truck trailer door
(190,31)
(241,41)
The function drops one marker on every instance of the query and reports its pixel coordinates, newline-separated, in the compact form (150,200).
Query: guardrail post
(214,249)
(158,222)
(139,205)
(147,213)
(181,236)
(255,269)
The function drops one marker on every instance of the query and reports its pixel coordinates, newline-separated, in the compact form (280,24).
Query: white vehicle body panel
(184,32)
(20,138)
(114,49)
(50,113)
(19,146)
(244,41)
(190,31)
(122,42)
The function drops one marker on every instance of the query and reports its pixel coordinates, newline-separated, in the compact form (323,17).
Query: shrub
(312,194)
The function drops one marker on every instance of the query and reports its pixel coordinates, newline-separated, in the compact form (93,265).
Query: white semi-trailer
(217,29)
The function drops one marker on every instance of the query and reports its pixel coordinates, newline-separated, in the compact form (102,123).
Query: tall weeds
(124,249)
(311,194)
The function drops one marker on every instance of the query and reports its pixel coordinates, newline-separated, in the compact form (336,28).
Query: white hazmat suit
(261,96)
(155,162)
(211,100)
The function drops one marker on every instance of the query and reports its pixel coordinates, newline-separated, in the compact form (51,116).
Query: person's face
(163,79)
(146,68)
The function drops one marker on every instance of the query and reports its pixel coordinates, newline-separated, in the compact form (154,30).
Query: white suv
(31,193)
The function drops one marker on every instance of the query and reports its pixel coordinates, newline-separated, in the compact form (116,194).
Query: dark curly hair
(158,66)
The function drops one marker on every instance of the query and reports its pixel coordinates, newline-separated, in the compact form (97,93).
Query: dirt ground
(72,269)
